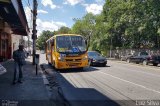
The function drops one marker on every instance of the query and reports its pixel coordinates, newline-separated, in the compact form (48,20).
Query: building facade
(13,26)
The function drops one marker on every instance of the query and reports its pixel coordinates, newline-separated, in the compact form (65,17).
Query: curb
(54,88)
(45,81)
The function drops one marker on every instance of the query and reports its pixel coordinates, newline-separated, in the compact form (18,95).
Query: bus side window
(49,46)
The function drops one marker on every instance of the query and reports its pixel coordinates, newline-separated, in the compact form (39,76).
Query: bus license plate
(73,66)
(102,62)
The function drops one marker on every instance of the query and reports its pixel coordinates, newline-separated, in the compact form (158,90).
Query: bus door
(52,51)
(48,52)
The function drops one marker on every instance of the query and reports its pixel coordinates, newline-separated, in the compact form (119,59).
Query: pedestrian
(19,60)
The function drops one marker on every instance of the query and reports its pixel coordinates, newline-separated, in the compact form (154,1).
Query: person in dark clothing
(19,61)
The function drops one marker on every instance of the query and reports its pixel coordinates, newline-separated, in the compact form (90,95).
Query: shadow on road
(101,66)
(80,96)
(79,70)
(75,70)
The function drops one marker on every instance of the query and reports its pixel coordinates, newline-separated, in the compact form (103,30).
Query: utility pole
(34,32)
(110,51)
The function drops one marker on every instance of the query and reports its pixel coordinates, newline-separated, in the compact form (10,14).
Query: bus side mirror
(45,48)
(52,43)
(86,42)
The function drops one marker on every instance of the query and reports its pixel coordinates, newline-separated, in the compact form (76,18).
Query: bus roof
(62,35)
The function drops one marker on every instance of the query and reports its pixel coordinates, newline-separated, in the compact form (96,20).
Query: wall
(16,40)
(8,42)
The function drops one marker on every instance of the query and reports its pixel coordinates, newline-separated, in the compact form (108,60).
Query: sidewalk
(32,92)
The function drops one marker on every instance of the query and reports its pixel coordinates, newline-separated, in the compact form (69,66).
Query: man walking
(19,61)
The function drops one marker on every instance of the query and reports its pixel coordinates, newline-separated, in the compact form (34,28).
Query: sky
(53,14)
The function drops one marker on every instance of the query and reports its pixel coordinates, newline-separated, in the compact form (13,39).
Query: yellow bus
(66,51)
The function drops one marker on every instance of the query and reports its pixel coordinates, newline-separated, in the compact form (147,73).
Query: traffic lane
(78,80)
(84,95)
(138,74)
(114,87)
(99,85)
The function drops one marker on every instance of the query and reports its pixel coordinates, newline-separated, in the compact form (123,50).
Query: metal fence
(118,53)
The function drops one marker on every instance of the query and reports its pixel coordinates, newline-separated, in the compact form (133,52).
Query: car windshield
(70,44)
(93,54)
(144,53)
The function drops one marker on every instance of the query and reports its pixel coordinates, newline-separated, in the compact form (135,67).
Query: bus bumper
(67,65)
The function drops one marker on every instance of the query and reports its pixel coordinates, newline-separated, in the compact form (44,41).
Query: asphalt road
(119,83)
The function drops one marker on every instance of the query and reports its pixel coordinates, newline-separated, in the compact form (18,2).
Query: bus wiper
(78,49)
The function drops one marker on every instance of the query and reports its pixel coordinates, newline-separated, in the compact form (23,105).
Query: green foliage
(133,23)
(63,30)
(41,41)
(85,25)
(122,24)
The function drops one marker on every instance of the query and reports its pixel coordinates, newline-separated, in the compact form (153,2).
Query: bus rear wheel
(81,69)
(49,63)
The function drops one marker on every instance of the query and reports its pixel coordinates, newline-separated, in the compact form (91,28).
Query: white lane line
(139,71)
(131,83)
(138,65)
(147,67)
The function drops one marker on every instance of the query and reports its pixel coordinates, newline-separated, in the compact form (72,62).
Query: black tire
(104,64)
(56,69)
(91,64)
(49,63)
(155,64)
(81,69)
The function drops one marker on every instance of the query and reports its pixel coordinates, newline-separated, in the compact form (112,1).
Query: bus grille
(73,60)
(74,64)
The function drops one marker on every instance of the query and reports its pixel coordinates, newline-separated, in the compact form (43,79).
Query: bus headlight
(85,58)
(60,58)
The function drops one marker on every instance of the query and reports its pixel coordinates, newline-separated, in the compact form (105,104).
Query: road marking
(140,71)
(142,67)
(138,65)
(131,83)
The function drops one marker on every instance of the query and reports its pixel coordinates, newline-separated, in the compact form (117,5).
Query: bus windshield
(71,44)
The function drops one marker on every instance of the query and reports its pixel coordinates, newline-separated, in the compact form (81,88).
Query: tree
(133,23)
(41,41)
(63,30)
(122,24)
(85,26)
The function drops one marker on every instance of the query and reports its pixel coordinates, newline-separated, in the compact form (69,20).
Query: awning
(12,12)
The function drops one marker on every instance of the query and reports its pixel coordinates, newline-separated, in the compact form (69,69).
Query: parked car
(96,58)
(125,57)
(145,58)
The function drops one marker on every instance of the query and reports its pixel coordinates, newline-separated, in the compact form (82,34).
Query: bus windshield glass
(70,44)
